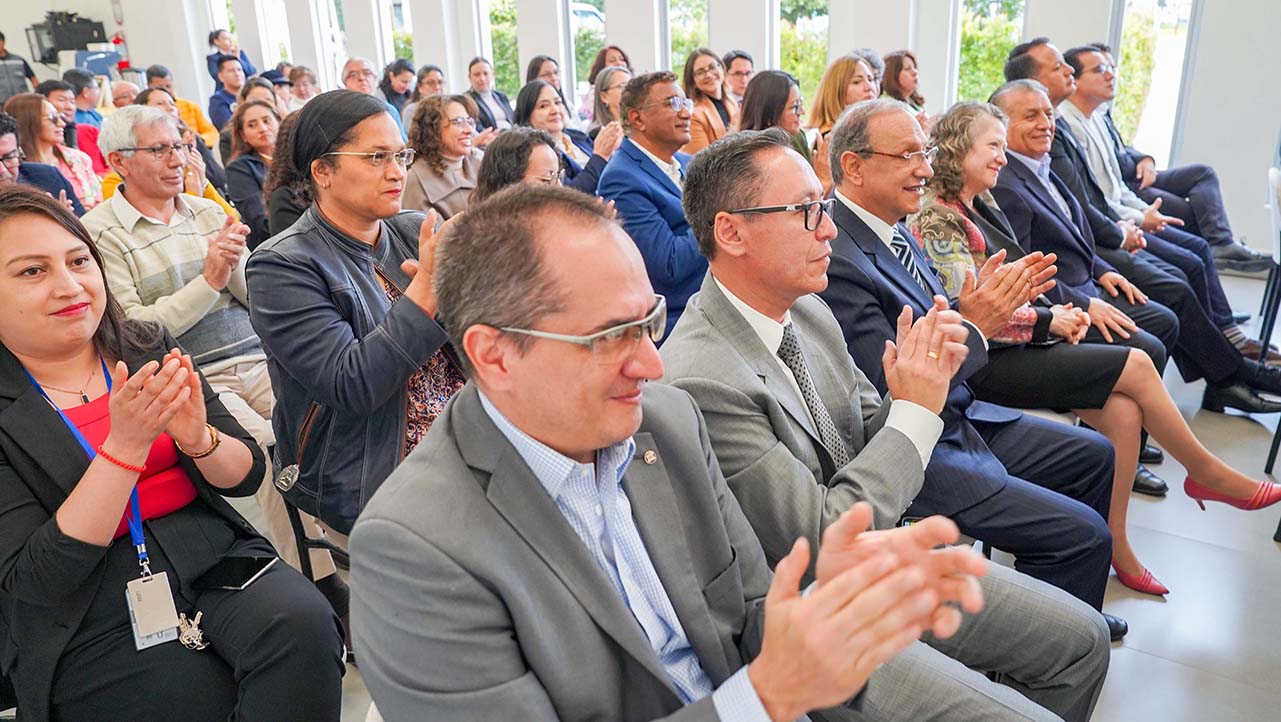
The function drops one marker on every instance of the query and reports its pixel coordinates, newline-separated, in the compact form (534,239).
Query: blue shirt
(1042,170)
(592,499)
(89,117)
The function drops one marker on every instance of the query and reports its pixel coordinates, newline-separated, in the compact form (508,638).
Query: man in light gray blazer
(562,545)
(765,416)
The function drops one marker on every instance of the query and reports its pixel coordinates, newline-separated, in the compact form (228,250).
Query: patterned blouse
(429,388)
(76,166)
(954,245)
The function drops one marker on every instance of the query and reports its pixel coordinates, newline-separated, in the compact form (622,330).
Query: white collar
(129,216)
(767,329)
(883,230)
(672,169)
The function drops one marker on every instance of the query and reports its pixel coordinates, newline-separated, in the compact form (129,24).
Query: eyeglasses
(160,152)
(379,158)
(814,211)
(741,73)
(614,344)
(462,120)
(359,74)
(13,157)
(554,178)
(676,103)
(926,155)
(54,118)
(1101,69)
(798,107)
(704,71)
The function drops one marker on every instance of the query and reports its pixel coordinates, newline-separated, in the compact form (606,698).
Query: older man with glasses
(644,179)
(358,75)
(15,168)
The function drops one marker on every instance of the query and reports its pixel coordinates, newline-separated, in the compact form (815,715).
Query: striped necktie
(790,352)
(904,255)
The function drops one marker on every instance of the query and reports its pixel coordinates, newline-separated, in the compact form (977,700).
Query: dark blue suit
(649,205)
(1054,527)
(50,180)
(585,178)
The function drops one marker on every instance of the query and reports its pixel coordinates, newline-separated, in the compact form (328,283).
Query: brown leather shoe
(1251,350)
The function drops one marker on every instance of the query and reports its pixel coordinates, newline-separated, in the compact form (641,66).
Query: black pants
(1192,194)
(275,654)
(1200,349)
(1052,513)
(1192,256)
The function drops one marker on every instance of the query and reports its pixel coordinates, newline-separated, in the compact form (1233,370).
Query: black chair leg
(1267,290)
(1272,453)
(300,539)
(1271,302)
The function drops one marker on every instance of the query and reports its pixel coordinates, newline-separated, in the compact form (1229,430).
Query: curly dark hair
(282,171)
(428,122)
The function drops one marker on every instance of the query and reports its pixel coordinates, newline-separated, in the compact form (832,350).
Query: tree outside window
(502,29)
(802,39)
(989,31)
(687,23)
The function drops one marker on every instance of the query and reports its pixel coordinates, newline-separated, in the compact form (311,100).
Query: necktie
(904,256)
(790,352)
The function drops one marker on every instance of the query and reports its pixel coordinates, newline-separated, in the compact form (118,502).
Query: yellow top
(112,180)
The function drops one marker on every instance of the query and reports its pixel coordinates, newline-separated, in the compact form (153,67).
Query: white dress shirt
(672,169)
(885,232)
(920,425)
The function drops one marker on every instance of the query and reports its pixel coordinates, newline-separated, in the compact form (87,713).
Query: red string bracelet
(136,468)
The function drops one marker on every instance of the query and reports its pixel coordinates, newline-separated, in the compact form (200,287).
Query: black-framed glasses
(616,343)
(813,210)
(160,152)
(379,158)
(12,157)
(926,155)
(677,103)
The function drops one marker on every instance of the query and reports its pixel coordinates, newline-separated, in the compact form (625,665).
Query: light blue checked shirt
(592,498)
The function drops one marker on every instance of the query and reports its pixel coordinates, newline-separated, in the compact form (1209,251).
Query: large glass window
(587,29)
(275,33)
(502,32)
(402,29)
(687,25)
(333,38)
(802,42)
(1154,39)
(989,30)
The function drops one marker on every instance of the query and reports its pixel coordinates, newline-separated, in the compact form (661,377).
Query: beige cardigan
(448,193)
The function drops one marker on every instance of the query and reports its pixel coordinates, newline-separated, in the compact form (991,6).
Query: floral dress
(429,388)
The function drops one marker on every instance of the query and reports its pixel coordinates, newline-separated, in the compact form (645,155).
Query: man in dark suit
(13,168)
(644,178)
(495,109)
(562,544)
(1045,216)
(1032,487)
(1189,192)
(766,363)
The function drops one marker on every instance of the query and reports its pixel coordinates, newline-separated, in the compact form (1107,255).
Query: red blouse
(163,487)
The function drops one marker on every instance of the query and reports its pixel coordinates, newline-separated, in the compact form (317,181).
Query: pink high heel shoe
(1267,494)
(1144,582)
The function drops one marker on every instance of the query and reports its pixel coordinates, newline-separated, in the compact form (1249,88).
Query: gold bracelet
(214,440)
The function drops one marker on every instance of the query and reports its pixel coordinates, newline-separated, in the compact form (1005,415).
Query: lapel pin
(650,456)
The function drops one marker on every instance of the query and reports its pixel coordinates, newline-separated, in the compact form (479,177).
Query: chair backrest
(1274,201)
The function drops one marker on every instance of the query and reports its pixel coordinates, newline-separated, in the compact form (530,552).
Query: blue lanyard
(134,516)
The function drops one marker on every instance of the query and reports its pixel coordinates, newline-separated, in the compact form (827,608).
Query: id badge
(151,610)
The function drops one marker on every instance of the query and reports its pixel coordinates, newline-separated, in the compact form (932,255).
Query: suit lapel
(521,499)
(1028,178)
(650,167)
(37,429)
(1079,159)
(658,517)
(996,229)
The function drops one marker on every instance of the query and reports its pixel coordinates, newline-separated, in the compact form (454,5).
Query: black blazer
(486,119)
(1039,225)
(867,289)
(245,176)
(48,580)
(585,177)
(1068,161)
(1127,155)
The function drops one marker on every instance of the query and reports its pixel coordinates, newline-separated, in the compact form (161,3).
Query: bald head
(123,92)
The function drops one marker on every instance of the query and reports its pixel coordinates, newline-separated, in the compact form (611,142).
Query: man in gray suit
(801,434)
(562,545)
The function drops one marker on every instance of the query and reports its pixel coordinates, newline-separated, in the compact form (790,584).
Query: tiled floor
(1211,652)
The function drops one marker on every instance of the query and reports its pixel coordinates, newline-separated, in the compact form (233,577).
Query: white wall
(1069,22)
(18,15)
(633,25)
(750,25)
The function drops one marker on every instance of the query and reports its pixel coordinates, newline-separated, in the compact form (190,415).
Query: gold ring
(932,354)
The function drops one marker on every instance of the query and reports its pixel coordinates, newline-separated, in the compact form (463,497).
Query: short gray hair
(849,135)
(706,191)
(998,97)
(119,130)
(491,267)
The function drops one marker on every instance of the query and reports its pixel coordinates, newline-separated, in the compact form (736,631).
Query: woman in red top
(93,406)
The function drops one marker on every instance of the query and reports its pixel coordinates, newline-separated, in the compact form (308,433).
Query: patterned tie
(790,352)
(904,255)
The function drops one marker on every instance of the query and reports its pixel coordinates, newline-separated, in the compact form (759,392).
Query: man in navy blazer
(1034,488)
(643,178)
(1054,222)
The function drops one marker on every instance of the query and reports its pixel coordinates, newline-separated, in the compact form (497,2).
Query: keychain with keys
(189,632)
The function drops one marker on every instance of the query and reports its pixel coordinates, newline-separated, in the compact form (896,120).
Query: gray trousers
(1050,649)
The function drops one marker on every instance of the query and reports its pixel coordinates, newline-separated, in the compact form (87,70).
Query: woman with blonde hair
(1037,361)
(846,81)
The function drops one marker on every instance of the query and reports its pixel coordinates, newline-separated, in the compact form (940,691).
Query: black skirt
(1059,377)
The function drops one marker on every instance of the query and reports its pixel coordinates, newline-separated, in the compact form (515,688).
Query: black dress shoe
(1149,454)
(1236,257)
(1241,317)
(1260,377)
(1145,482)
(1239,397)
(1117,627)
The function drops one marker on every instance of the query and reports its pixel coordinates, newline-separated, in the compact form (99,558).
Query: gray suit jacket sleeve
(778,492)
